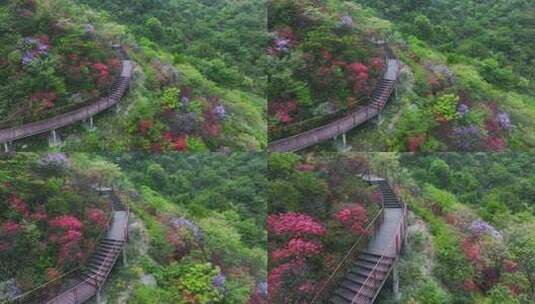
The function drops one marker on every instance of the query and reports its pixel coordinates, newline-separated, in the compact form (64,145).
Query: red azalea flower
(181,143)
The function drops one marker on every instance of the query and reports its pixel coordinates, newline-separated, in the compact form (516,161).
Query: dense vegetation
(50,217)
(318,208)
(224,40)
(204,217)
(476,242)
(467,84)
(187,94)
(470,87)
(322,62)
(495,35)
(48,63)
(197,229)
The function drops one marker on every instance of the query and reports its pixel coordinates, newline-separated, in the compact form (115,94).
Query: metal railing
(74,116)
(371,286)
(53,288)
(341,269)
(314,136)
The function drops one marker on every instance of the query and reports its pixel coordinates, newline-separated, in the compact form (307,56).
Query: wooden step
(368,265)
(336,299)
(355,288)
(360,279)
(374,255)
(379,275)
(347,293)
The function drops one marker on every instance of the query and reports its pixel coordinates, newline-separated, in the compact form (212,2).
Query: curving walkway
(380,96)
(118,90)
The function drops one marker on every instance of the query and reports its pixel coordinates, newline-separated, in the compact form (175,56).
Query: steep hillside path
(7,136)
(365,268)
(380,96)
(82,284)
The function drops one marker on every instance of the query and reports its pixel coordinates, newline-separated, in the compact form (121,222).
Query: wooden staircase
(379,98)
(361,275)
(389,198)
(104,258)
(362,272)
(84,283)
(381,93)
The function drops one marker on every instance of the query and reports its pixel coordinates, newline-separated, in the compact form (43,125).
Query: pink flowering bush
(276,277)
(291,239)
(294,224)
(297,248)
(19,206)
(66,222)
(98,217)
(11,228)
(69,237)
(354,218)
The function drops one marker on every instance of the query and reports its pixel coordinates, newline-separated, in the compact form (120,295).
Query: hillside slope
(177,101)
(448,99)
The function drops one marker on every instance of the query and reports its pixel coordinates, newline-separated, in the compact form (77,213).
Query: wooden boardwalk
(82,284)
(365,278)
(118,90)
(101,265)
(317,135)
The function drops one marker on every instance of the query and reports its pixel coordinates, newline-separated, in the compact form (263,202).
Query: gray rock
(148,280)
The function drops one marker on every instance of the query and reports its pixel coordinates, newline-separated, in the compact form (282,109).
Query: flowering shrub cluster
(183,223)
(11,228)
(282,42)
(68,235)
(346,21)
(102,74)
(297,248)
(184,123)
(467,137)
(415,142)
(283,110)
(33,48)
(278,274)
(294,224)
(55,64)
(484,247)
(294,232)
(480,227)
(360,73)
(19,206)
(45,99)
(354,218)
(316,70)
(98,217)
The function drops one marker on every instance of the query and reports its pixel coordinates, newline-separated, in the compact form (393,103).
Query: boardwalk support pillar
(395,283)
(91,125)
(8,147)
(55,139)
(98,296)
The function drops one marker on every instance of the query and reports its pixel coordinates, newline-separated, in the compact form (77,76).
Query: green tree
(445,107)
